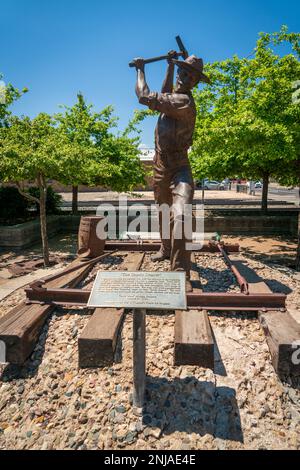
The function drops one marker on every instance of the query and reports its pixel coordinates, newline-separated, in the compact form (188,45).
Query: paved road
(281,194)
(276,194)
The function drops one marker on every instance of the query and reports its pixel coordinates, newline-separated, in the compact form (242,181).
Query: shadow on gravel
(241,315)
(285,258)
(192,406)
(219,367)
(278,287)
(214,280)
(253,277)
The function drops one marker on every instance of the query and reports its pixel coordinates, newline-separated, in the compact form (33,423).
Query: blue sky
(58,47)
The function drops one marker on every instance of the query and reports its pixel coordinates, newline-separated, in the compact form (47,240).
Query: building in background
(146,156)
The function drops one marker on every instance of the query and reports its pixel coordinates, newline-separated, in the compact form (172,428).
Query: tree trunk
(74,200)
(264,197)
(297,267)
(43,219)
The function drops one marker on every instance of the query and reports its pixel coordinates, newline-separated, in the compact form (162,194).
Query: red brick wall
(149,183)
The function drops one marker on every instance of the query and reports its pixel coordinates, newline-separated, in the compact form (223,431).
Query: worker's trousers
(174,188)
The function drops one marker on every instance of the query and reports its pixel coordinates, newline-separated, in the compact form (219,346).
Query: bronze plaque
(139,289)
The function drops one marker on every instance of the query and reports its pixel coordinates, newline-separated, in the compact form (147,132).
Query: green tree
(247,122)
(111,161)
(30,151)
(290,176)
(270,116)
(8,94)
(77,147)
(276,102)
(214,153)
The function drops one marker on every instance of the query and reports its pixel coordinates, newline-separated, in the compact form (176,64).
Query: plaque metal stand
(139,290)
(139,356)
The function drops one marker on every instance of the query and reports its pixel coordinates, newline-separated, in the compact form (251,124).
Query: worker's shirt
(176,123)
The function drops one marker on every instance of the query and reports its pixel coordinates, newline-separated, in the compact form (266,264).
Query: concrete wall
(23,235)
(252,225)
(28,233)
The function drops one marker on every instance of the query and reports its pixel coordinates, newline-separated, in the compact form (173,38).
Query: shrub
(12,204)
(15,206)
(53,200)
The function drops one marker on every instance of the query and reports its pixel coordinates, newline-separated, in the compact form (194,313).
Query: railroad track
(193,337)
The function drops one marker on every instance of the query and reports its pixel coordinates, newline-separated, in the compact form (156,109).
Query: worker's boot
(160,256)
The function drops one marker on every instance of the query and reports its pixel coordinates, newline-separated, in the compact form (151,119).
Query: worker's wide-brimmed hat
(193,64)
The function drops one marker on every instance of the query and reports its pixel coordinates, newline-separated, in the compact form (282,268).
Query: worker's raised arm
(141,87)
(167,86)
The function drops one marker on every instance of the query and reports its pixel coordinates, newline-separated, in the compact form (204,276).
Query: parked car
(225,184)
(198,183)
(213,185)
(258,185)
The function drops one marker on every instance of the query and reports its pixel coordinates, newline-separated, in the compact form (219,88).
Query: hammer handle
(181,47)
(155,59)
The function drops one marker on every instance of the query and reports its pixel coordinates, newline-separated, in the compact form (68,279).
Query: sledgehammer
(183,53)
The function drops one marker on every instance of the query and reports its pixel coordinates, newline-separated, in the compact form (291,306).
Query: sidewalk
(212,198)
(149,195)
(7,286)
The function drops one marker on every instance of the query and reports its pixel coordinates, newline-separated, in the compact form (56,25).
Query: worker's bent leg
(163,198)
(181,220)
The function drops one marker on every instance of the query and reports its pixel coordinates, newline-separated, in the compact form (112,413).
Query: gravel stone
(48,403)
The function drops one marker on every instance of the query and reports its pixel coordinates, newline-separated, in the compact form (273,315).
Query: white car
(214,185)
(224,185)
(258,185)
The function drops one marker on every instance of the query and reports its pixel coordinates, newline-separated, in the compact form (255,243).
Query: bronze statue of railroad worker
(173,182)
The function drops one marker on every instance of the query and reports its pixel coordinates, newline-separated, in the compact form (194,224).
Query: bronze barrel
(89,244)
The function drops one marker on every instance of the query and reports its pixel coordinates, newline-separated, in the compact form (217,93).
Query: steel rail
(148,245)
(240,279)
(207,301)
(53,277)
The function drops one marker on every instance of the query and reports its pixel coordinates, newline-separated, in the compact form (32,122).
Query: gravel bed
(49,403)
(11,301)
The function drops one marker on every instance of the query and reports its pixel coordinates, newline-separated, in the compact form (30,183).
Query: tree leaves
(8,95)
(247,123)
(93,154)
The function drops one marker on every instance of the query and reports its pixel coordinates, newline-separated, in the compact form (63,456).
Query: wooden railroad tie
(98,340)
(281,329)
(193,342)
(20,327)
